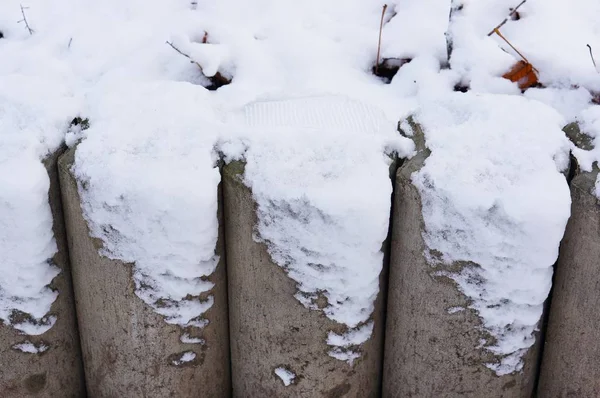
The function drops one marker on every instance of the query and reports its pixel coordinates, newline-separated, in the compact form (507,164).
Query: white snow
(187,339)
(589,121)
(147,166)
(31,348)
(285,375)
(153,200)
(319,176)
(30,130)
(187,356)
(493,195)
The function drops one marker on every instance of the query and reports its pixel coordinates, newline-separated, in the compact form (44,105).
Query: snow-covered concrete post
(278,346)
(467,288)
(129,350)
(41,357)
(570,363)
(307,208)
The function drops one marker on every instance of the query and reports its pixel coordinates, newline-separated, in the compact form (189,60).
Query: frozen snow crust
(146,166)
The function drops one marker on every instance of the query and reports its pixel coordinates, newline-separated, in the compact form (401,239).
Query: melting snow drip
(285,375)
(185,357)
(320,180)
(31,348)
(187,339)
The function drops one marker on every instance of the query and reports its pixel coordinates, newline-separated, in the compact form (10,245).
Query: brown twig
(379,43)
(506,19)
(25,19)
(497,31)
(592,56)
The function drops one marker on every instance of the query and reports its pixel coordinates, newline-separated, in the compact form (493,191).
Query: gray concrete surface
(571,360)
(127,348)
(58,371)
(270,328)
(429,352)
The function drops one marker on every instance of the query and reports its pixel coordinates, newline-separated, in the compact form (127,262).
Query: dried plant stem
(592,56)
(506,19)
(497,31)
(379,43)
(25,19)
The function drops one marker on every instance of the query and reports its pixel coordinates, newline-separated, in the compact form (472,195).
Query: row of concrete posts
(108,343)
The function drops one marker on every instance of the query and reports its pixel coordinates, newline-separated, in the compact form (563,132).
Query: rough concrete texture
(429,352)
(56,372)
(270,328)
(571,360)
(127,348)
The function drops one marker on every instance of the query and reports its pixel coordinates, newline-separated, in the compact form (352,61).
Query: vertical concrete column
(56,370)
(431,351)
(571,358)
(271,332)
(128,349)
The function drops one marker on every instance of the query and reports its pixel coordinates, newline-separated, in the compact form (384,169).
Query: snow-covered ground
(147,163)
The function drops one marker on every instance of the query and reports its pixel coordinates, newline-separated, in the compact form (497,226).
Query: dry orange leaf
(522,73)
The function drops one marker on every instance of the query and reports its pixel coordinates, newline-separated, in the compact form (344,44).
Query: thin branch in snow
(217,80)
(455,7)
(592,56)
(70,41)
(25,19)
(184,54)
(514,10)
(497,31)
(379,43)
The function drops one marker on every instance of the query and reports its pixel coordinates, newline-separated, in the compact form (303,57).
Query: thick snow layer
(320,178)
(495,201)
(148,186)
(552,36)
(30,130)
(146,166)
(415,27)
(285,375)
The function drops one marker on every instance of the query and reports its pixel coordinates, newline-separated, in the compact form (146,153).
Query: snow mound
(148,187)
(495,201)
(29,130)
(320,178)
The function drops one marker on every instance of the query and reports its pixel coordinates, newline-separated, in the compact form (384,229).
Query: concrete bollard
(56,369)
(429,350)
(272,333)
(571,358)
(128,349)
